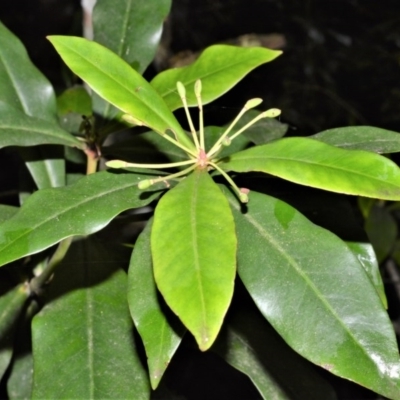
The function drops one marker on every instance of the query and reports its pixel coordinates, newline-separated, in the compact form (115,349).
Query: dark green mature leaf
(366,138)
(252,346)
(46,165)
(22,86)
(50,215)
(366,255)
(19,129)
(315,293)
(264,131)
(11,304)
(381,228)
(134,33)
(220,67)
(316,164)
(194,254)
(114,80)
(159,329)
(84,332)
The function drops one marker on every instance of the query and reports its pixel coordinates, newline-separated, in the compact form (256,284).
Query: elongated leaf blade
(250,344)
(11,305)
(19,129)
(367,138)
(113,79)
(160,331)
(50,215)
(219,67)
(84,332)
(22,85)
(312,163)
(194,254)
(315,293)
(366,255)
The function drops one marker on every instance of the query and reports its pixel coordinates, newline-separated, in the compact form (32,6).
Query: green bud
(197,88)
(181,89)
(226,141)
(253,103)
(116,164)
(243,198)
(145,184)
(272,113)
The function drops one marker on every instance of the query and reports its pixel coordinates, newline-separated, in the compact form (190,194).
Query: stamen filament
(124,164)
(249,104)
(197,91)
(182,95)
(242,196)
(148,182)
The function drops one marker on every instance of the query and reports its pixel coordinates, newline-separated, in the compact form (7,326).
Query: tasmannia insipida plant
(322,295)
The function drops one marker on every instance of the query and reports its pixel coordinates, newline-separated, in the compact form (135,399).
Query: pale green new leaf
(117,82)
(159,329)
(219,67)
(50,215)
(316,164)
(313,290)
(85,332)
(194,254)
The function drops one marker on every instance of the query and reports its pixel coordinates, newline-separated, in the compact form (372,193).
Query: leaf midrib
(263,232)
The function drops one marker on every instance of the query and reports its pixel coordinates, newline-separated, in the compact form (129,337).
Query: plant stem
(38,282)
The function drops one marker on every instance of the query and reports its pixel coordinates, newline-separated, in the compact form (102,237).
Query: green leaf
(316,164)
(159,329)
(133,35)
(114,80)
(19,129)
(251,345)
(194,254)
(22,85)
(84,332)
(50,215)
(366,255)
(366,138)
(46,165)
(74,100)
(7,212)
(313,290)
(381,228)
(220,67)
(264,131)
(11,305)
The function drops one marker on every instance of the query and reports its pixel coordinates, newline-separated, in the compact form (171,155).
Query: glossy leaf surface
(366,255)
(113,79)
(19,129)
(195,277)
(220,67)
(367,138)
(134,34)
(50,215)
(22,86)
(84,332)
(313,290)
(160,330)
(312,163)
(135,30)
(251,345)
